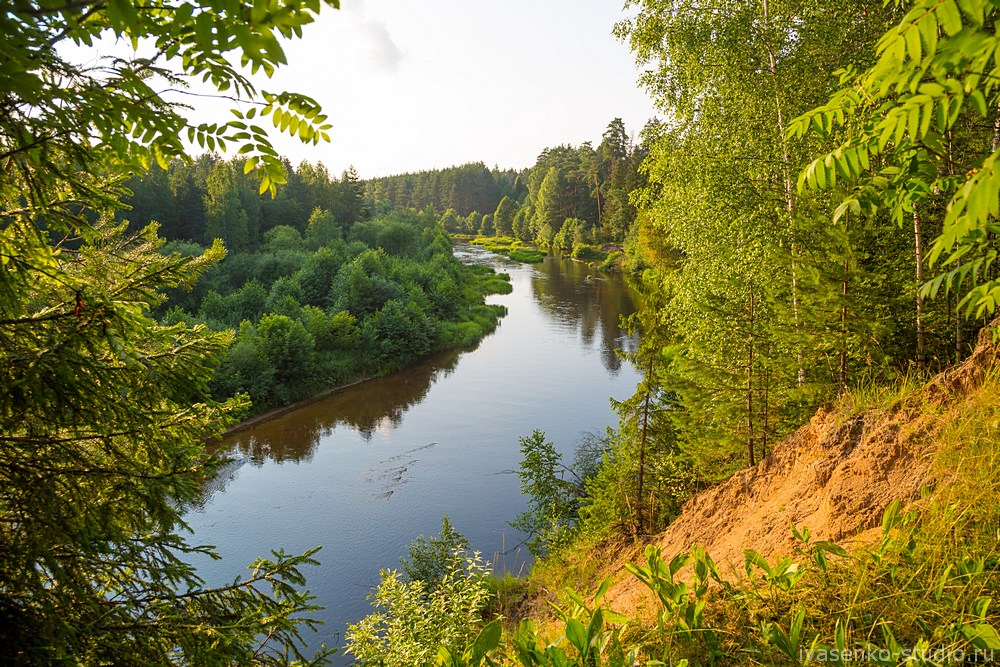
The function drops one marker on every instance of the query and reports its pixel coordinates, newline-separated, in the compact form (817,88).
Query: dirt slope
(835,475)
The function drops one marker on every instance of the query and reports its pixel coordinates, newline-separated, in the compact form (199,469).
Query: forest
(580,194)
(813,219)
(319,291)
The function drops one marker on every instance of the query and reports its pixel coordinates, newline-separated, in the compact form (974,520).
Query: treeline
(465,188)
(211,198)
(571,196)
(316,310)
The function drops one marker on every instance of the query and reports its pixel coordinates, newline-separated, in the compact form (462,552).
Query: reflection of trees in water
(592,306)
(226,473)
(372,406)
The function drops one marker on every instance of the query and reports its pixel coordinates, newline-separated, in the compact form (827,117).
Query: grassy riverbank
(606,259)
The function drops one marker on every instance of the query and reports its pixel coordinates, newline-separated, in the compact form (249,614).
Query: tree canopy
(105,411)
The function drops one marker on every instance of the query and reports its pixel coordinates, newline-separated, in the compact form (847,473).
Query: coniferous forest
(811,224)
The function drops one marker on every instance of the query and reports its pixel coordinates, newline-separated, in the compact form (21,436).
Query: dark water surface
(365,471)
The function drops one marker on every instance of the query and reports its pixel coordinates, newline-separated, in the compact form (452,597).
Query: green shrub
(412,621)
(611,263)
(588,253)
(428,559)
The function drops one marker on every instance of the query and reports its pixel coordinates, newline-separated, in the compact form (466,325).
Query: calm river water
(365,471)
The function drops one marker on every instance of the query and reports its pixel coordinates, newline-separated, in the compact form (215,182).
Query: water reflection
(565,290)
(375,406)
(577,296)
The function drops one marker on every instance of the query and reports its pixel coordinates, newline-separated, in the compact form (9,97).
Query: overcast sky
(418,85)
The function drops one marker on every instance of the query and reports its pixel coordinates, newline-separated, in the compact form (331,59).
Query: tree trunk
(958,332)
(789,196)
(996,131)
(843,304)
(767,408)
(597,192)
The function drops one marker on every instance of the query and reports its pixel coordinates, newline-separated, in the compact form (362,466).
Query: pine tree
(105,411)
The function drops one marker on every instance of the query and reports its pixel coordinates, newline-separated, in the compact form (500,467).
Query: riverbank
(273,413)
(606,259)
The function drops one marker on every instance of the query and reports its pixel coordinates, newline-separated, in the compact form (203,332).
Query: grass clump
(527,255)
(588,253)
(613,262)
(513,248)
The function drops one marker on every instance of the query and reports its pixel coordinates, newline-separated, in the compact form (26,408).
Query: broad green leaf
(949,16)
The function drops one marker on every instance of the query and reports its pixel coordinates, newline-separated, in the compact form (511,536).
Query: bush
(398,333)
(428,560)
(412,621)
(588,253)
(612,262)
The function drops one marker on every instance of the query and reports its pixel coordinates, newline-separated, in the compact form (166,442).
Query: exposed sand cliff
(835,476)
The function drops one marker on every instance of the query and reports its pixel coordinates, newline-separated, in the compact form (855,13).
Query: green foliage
(413,621)
(463,190)
(527,255)
(103,443)
(933,74)
(552,504)
(349,309)
(288,347)
(428,560)
(397,333)
(105,411)
(588,253)
(322,228)
(81,112)
(762,308)
(612,262)
(571,233)
(590,637)
(503,217)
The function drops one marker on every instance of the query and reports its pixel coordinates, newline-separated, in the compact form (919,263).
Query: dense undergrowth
(321,309)
(919,590)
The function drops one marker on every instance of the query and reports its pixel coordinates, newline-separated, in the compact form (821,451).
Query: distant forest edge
(580,191)
(335,279)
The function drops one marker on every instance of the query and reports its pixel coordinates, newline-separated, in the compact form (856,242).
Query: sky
(421,85)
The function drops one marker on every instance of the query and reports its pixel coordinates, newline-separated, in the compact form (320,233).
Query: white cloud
(384,52)
(371,36)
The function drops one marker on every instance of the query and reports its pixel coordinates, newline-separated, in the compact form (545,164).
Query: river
(365,471)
